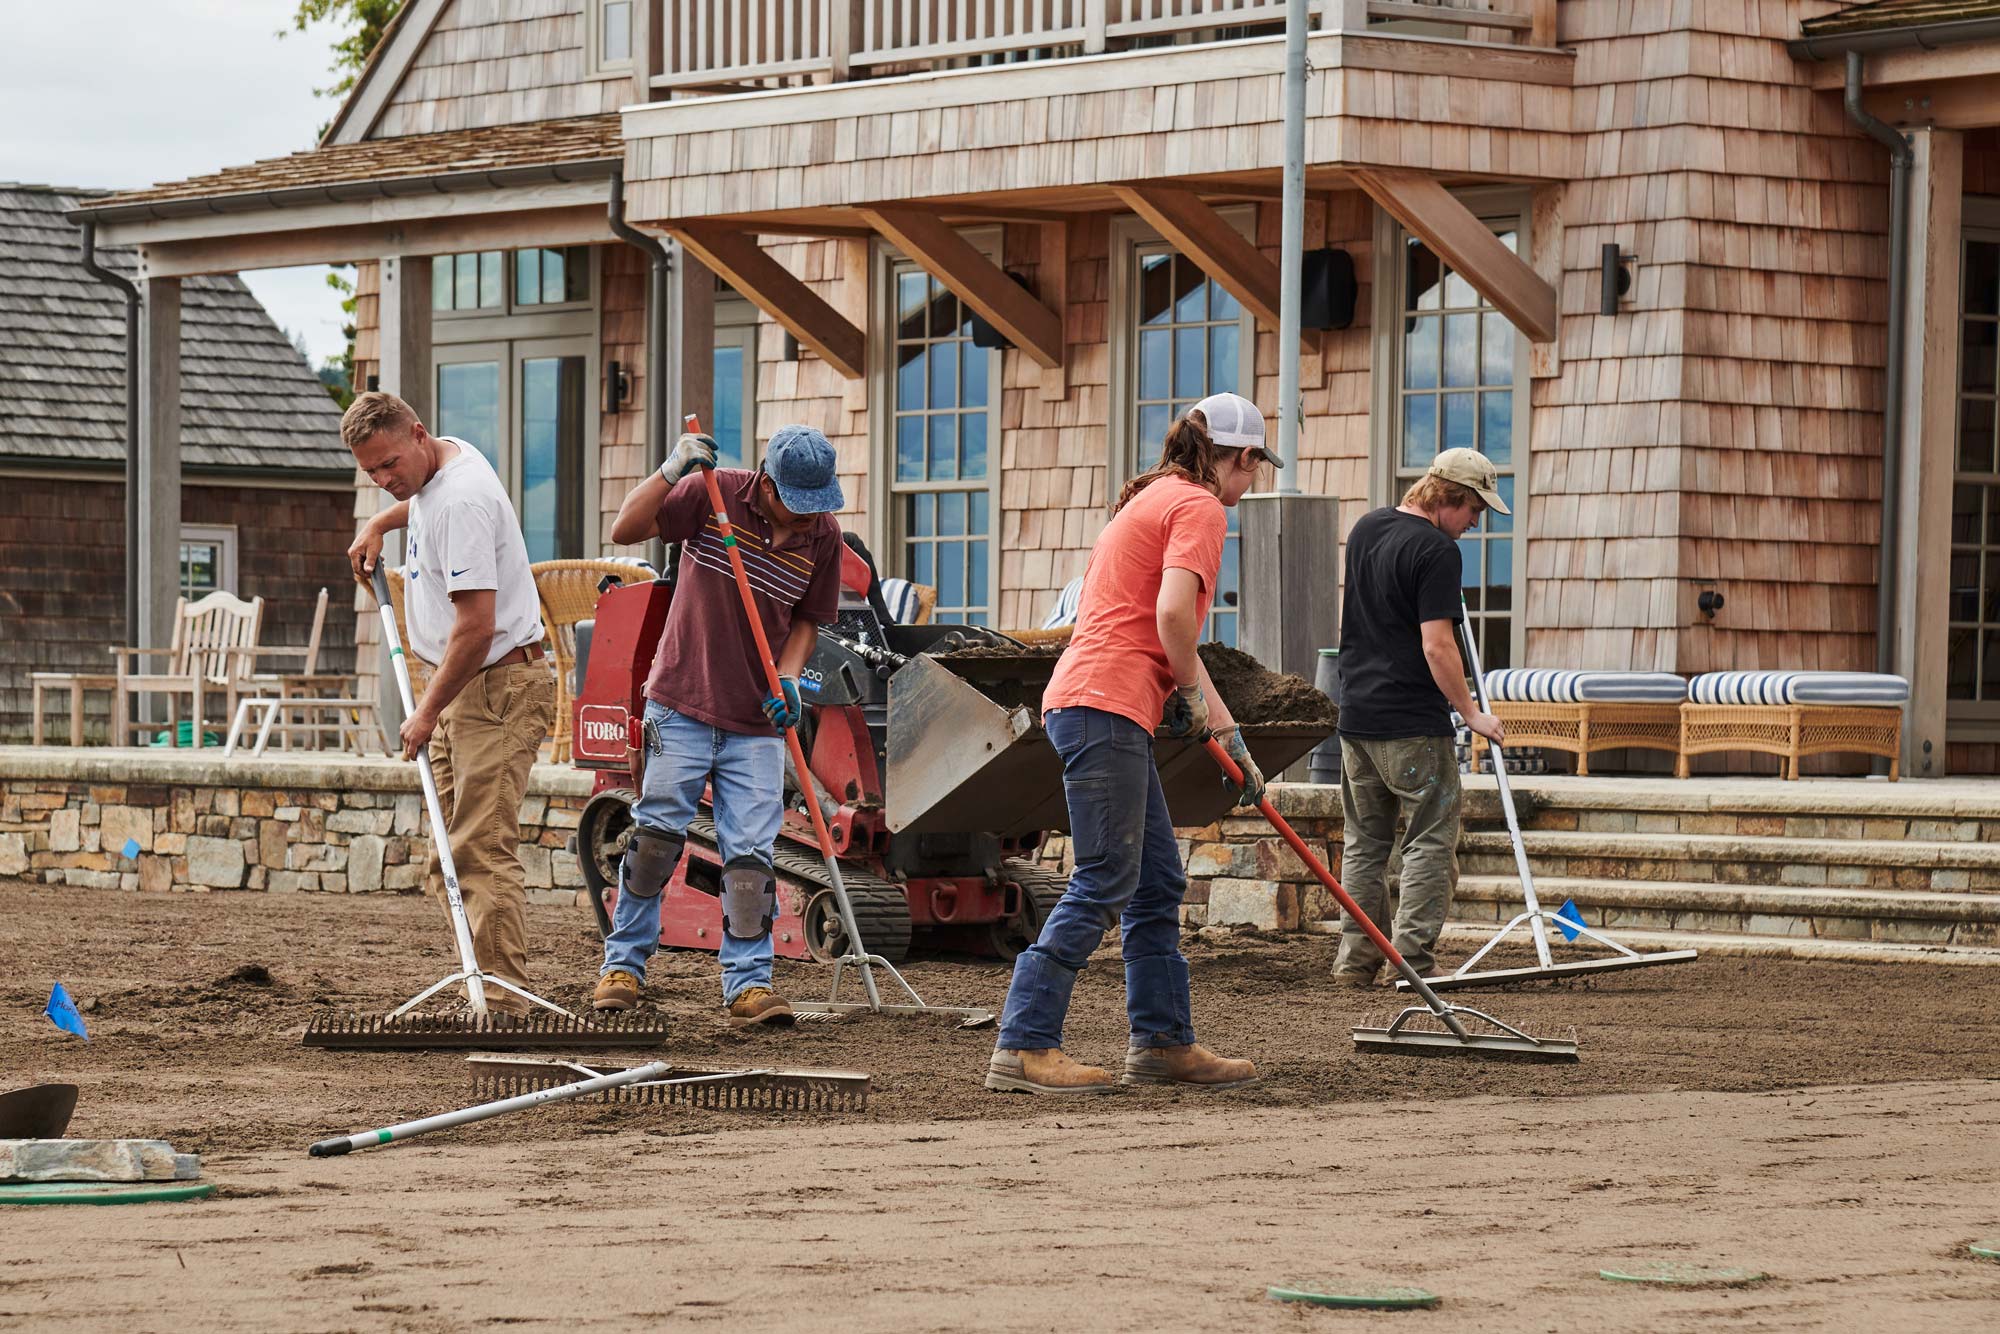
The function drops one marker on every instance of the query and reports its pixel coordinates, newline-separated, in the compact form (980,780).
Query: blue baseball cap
(801,462)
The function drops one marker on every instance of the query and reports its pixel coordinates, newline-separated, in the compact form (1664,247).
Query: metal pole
(331,1148)
(1292,259)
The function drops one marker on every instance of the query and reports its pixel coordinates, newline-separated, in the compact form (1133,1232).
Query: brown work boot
(1048,1070)
(616,990)
(1355,979)
(760,1005)
(1193,1065)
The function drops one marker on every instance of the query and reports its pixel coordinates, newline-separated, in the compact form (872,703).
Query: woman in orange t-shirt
(1146,594)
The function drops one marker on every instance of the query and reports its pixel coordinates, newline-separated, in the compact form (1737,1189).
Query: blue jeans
(748,777)
(1128,871)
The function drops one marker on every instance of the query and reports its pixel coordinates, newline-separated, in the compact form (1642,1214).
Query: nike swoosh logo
(456,573)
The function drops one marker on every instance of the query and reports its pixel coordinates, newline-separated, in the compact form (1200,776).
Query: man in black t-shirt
(1400,677)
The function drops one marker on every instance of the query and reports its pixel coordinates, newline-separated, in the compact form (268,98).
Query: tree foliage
(361,23)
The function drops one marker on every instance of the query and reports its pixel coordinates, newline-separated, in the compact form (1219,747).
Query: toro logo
(600,732)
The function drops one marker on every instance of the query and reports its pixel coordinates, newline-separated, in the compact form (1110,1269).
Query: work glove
(1252,790)
(1187,712)
(787,711)
(691,451)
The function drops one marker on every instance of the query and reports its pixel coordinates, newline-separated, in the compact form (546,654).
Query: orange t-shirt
(1114,661)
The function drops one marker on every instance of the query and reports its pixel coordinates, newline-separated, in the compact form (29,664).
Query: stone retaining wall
(106,819)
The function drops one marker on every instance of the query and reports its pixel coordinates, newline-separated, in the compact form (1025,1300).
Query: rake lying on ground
(717,1090)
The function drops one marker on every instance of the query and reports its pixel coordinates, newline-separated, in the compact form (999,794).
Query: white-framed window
(208,559)
(1177,336)
(608,36)
(937,443)
(1458,379)
(1972,660)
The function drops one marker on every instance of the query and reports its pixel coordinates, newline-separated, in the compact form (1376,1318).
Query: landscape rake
(706,1087)
(1414,1031)
(476,1027)
(1533,914)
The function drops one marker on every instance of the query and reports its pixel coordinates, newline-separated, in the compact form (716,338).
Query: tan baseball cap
(1469,467)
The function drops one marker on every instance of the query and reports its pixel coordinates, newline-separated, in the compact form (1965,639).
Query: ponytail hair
(1187,452)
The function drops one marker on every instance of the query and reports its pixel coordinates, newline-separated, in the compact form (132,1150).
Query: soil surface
(1681,1135)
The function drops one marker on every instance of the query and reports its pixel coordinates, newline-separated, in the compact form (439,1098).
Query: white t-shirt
(463,535)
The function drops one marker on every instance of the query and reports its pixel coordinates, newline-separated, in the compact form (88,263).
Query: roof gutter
(1914,36)
(130,291)
(659,364)
(308,196)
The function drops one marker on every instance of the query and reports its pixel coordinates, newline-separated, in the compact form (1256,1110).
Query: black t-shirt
(1401,571)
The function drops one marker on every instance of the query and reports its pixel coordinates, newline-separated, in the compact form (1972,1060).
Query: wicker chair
(909,603)
(568,590)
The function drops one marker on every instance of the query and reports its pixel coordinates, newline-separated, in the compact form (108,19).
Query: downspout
(131,293)
(1900,158)
(658,365)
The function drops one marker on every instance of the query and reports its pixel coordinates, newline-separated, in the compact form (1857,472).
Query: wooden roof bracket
(1203,235)
(974,279)
(770,286)
(1468,245)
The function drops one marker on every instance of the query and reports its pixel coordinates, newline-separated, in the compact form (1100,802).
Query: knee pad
(749,898)
(650,858)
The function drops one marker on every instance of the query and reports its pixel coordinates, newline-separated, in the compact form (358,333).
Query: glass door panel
(552,419)
(469,395)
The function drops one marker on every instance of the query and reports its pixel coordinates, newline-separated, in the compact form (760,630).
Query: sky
(127,93)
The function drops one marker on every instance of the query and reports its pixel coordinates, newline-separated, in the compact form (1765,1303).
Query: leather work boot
(760,1005)
(616,990)
(1193,1066)
(1049,1070)
(1354,979)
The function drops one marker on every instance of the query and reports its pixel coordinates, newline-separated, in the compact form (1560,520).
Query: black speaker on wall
(984,334)
(1326,300)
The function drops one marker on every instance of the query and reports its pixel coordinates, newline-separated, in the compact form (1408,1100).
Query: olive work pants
(484,745)
(1415,778)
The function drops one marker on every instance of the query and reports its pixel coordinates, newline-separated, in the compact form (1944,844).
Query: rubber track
(1041,884)
(881,908)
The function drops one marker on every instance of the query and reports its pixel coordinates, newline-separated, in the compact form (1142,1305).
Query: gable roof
(248,399)
(1887,14)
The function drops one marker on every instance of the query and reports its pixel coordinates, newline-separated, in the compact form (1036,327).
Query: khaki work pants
(1415,778)
(481,753)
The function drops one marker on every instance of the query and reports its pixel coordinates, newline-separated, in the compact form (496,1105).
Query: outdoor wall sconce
(1327,289)
(1710,602)
(617,387)
(984,334)
(791,348)
(1616,280)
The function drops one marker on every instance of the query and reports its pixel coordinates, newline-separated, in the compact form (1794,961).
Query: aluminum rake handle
(368,1139)
(1533,904)
(1326,877)
(461,929)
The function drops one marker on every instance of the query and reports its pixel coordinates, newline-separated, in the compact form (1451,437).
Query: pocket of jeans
(1090,817)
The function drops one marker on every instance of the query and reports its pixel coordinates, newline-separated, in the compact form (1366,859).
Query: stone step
(1733,859)
(1619,906)
(1468,936)
(1957,810)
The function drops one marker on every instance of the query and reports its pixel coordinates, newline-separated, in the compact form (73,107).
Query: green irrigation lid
(103,1192)
(1335,1293)
(1683,1273)
(1986,1250)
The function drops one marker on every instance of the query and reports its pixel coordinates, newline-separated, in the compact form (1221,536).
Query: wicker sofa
(1793,715)
(1581,712)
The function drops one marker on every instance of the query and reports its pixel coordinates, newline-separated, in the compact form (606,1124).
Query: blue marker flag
(62,1012)
(131,849)
(1567,914)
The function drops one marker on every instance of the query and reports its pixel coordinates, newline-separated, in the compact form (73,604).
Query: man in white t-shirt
(472,610)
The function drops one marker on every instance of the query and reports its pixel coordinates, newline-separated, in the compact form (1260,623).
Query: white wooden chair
(213,653)
(307,703)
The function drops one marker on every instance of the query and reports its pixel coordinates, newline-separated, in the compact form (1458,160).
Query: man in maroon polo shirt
(710,720)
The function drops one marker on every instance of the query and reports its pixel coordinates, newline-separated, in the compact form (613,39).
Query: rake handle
(1326,877)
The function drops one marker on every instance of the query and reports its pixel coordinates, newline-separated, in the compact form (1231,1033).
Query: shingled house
(264,511)
(1638,253)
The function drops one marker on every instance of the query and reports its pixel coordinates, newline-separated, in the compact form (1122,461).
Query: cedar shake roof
(415,159)
(1883,14)
(248,399)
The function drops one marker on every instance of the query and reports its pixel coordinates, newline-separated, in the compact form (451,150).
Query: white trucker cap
(1235,422)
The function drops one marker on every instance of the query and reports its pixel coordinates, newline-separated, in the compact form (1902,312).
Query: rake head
(430,1032)
(1419,1031)
(495,1077)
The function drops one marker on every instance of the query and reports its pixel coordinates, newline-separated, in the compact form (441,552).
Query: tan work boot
(1193,1066)
(1355,979)
(1049,1070)
(760,1005)
(616,990)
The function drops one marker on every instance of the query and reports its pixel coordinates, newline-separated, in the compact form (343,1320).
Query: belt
(525,653)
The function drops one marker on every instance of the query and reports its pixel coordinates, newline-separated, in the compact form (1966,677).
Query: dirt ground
(1834,1125)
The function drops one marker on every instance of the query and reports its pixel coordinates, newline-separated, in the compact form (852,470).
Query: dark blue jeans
(1128,871)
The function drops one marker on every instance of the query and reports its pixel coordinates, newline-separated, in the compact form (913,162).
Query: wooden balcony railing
(765,43)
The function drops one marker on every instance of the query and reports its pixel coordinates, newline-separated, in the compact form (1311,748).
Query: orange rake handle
(1285,831)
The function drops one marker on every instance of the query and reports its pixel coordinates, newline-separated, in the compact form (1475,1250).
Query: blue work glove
(785,712)
(1252,790)
(1186,713)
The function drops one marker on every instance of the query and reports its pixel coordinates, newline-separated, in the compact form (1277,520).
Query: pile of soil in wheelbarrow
(1256,694)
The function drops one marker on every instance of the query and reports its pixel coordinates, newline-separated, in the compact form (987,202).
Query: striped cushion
(1542,685)
(1066,605)
(900,596)
(1797,688)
